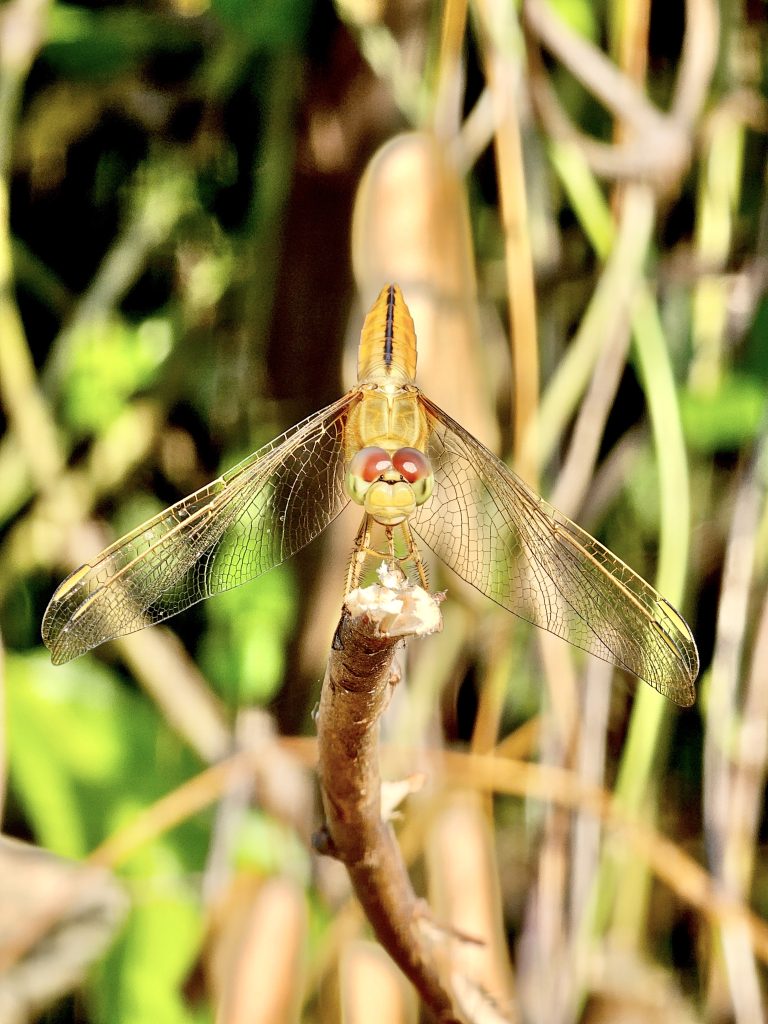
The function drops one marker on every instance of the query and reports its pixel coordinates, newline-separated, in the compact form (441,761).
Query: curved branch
(658,145)
(356,690)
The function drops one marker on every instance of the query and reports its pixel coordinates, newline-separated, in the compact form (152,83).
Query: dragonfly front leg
(415,555)
(391,558)
(391,553)
(360,552)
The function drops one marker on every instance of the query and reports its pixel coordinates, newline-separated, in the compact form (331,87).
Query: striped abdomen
(388,341)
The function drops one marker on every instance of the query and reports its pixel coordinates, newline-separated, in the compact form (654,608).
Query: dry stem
(356,690)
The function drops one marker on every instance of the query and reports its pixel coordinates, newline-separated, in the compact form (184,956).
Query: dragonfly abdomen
(387,341)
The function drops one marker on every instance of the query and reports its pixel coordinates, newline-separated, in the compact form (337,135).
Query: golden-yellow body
(416,473)
(388,419)
(387,341)
(388,416)
(388,412)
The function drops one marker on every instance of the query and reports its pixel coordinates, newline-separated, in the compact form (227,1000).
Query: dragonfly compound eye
(366,466)
(415,467)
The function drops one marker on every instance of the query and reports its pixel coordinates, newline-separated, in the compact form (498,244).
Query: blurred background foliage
(178,183)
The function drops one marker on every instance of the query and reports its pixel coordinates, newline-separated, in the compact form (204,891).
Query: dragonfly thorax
(385,423)
(389,419)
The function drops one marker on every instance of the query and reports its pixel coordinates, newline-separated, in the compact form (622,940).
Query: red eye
(412,464)
(370,463)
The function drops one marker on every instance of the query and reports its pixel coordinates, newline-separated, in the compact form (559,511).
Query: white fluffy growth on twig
(397,607)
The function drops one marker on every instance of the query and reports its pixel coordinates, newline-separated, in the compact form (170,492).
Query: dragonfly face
(389,484)
(388,448)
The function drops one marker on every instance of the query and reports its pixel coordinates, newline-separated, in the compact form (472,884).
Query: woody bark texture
(356,690)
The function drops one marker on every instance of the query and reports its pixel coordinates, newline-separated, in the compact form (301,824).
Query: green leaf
(243,650)
(88,44)
(269,847)
(278,25)
(86,753)
(143,977)
(110,360)
(727,419)
(578,15)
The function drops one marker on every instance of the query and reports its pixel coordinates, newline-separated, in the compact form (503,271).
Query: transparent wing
(498,535)
(252,518)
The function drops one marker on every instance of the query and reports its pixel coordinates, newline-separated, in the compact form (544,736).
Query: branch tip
(396,607)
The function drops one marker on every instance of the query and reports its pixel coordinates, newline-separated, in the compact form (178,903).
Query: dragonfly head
(389,484)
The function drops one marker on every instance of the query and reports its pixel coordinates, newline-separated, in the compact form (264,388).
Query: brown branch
(356,690)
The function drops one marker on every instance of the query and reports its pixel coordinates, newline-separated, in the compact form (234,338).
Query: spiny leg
(359,554)
(391,558)
(415,555)
(362,549)
(390,535)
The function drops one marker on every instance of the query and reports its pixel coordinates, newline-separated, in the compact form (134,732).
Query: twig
(450,80)
(22,25)
(735,749)
(671,864)
(675,868)
(3,747)
(697,60)
(608,318)
(361,671)
(253,977)
(502,55)
(658,146)
(22,30)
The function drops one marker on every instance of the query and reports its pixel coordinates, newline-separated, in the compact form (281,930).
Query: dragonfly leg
(362,550)
(389,530)
(359,554)
(415,555)
(391,558)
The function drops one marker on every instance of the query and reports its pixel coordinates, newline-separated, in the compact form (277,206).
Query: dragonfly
(418,475)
